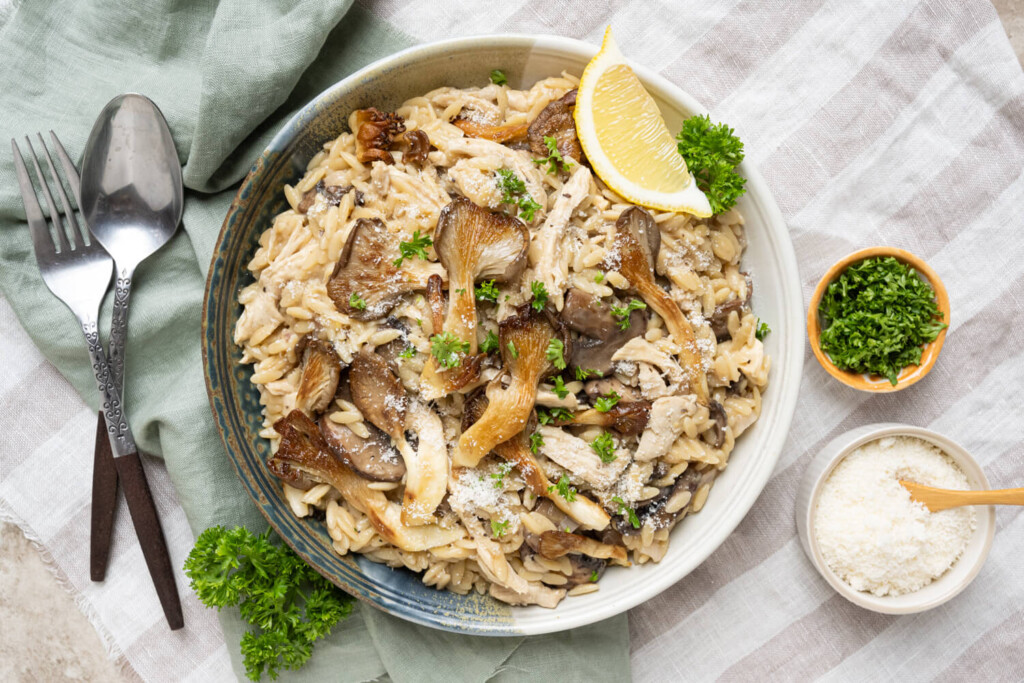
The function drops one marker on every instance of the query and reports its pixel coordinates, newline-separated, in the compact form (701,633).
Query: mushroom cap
(378,393)
(365,269)
(636,244)
(530,331)
(373,458)
(321,370)
(473,243)
(600,335)
(556,120)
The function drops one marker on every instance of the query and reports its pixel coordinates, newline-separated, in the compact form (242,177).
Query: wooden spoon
(942,499)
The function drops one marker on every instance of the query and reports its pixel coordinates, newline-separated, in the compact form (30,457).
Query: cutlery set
(129,200)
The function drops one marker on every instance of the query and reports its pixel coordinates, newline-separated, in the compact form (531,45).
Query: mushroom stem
(435,298)
(680,330)
(506,415)
(427,466)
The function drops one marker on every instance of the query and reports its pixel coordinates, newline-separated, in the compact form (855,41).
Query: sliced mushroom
(373,458)
(375,133)
(366,285)
(716,411)
(555,544)
(629,418)
(333,194)
(506,133)
(321,369)
(417,146)
(600,334)
(523,338)
(472,243)
(606,385)
(552,246)
(435,298)
(633,253)
(378,394)
(720,319)
(555,120)
(665,511)
(585,570)
(303,448)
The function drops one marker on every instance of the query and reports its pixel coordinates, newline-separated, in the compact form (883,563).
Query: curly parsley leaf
(555,352)
(408,352)
(446,348)
(584,373)
(417,246)
(604,446)
(553,415)
(499,476)
(288,605)
(563,489)
(490,343)
(627,512)
(499,529)
(559,387)
(623,312)
(712,152)
(540,295)
(487,291)
(536,441)
(513,191)
(554,158)
(357,302)
(513,352)
(762,330)
(498,77)
(605,403)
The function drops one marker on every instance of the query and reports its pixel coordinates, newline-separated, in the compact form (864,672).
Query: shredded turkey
(550,250)
(576,455)
(665,425)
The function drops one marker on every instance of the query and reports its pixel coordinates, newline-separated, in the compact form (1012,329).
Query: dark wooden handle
(104,502)
(151,536)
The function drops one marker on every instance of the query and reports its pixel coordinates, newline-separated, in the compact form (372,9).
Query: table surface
(47,638)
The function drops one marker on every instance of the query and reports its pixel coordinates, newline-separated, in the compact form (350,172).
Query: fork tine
(69,169)
(41,240)
(62,236)
(69,214)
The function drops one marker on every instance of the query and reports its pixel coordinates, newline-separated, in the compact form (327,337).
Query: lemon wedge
(626,139)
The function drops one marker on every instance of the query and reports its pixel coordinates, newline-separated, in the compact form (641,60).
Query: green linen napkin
(226,76)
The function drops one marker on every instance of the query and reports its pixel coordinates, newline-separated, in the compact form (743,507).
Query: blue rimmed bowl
(235,401)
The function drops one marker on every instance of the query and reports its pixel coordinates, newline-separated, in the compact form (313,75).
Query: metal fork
(78,275)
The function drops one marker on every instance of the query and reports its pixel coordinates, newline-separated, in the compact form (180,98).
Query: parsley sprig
(877,316)
(417,246)
(487,291)
(357,302)
(762,330)
(627,512)
(498,77)
(605,403)
(540,295)
(712,152)
(513,191)
(553,415)
(446,347)
(604,446)
(561,391)
(563,489)
(554,158)
(536,441)
(499,529)
(555,353)
(623,312)
(288,605)
(490,343)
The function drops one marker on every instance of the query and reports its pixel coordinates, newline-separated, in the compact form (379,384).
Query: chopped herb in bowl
(877,316)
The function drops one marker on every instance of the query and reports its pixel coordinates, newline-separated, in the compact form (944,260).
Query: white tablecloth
(874,123)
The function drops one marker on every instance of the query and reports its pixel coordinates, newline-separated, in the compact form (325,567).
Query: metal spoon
(131,197)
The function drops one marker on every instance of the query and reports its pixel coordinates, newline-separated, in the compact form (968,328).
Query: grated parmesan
(872,535)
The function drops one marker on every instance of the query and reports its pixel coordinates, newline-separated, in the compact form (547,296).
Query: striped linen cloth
(897,123)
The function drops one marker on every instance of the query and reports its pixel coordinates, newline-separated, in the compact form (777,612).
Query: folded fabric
(226,76)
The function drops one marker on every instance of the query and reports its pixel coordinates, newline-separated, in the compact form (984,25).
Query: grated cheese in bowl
(872,535)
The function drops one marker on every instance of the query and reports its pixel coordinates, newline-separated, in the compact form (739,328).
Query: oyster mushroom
(516,451)
(417,146)
(332,194)
(634,250)
(435,298)
(606,385)
(321,369)
(303,448)
(600,334)
(375,133)
(629,418)
(555,120)
(555,544)
(382,399)
(372,458)
(720,318)
(506,133)
(472,244)
(523,339)
(366,284)
(716,411)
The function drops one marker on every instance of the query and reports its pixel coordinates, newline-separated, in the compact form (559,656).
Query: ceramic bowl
(873,383)
(235,401)
(942,589)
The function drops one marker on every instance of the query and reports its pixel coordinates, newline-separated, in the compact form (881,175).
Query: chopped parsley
(877,316)
(487,291)
(623,312)
(583,373)
(499,529)
(499,476)
(540,295)
(762,330)
(498,77)
(512,350)
(605,403)
(554,158)
(417,246)
(460,290)
(546,417)
(627,512)
(554,353)
(357,302)
(599,278)
(559,388)
(604,446)
(513,191)
(563,489)
(408,352)
(712,153)
(593,576)
(446,347)
(490,343)
(536,441)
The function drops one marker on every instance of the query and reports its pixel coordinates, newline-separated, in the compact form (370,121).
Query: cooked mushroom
(720,318)
(555,544)
(634,250)
(435,298)
(378,394)
(303,448)
(628,418)
(533,594)
(606,385)
(716,412)
(366,284)
(669,507)
(375,133)
(523,338)
(555,120)
(417,146)
(472,243)
(667,423)
(583,510)
(373,458)
(552,247)
(600,334)
(585,570)
(333,194)
(321,369)
(506,133)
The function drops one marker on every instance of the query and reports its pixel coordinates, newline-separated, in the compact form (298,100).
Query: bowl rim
(985,524)
(785,385)
(909,375)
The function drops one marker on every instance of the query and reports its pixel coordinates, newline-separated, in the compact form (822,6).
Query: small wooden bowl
(909,374)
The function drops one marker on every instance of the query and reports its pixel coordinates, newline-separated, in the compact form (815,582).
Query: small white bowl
(941,589)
